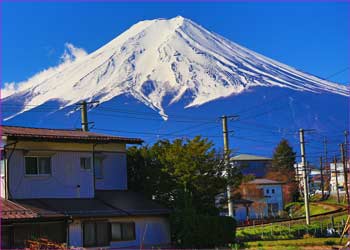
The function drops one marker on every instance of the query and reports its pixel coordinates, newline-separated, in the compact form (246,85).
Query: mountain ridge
(161,59)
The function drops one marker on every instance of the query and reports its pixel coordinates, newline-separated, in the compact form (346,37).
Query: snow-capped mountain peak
(157,59)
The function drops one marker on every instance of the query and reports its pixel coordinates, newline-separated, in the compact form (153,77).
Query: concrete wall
(150,231)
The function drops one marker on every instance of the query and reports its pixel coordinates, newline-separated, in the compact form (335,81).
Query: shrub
(190,230)
(329,243)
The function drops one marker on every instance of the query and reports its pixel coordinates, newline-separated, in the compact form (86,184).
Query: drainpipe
(68,222)
(93,166)
(6,168)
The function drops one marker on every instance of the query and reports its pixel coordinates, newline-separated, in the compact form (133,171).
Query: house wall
(149,231)
(114,172)
(258,168)
(75,234)
(59,146)
(66,175)
(2,186)
(240,213)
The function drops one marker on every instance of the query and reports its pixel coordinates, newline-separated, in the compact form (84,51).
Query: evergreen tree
(283,159)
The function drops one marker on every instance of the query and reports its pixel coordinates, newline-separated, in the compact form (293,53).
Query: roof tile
(46,134)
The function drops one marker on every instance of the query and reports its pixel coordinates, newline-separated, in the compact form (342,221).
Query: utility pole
(84,117)
(326,165)
(345,170)
(306,185)
(346,149)
(227,161)
(346,134)
(336,178)
(227,164)
(322,181)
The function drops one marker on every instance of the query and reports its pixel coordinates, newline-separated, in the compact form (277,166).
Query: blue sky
(312,37)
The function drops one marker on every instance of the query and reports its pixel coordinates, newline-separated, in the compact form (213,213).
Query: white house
(71,186)
(267,197)
(337,174)
(261,198)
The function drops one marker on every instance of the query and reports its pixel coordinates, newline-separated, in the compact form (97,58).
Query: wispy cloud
(70,54)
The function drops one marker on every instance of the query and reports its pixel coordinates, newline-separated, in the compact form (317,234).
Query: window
(85,163)
(38,165)
(122,231)
(272,191)
(96,233)
(98,166)
(267,191)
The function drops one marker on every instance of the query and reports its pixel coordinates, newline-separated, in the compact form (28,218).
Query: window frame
(89,159)
(95,233)
(121,223)
(37,166)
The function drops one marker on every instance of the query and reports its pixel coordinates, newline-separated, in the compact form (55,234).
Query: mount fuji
(168,73)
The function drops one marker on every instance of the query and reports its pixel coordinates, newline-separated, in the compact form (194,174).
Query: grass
(315,208)
(285,231)
(308,243)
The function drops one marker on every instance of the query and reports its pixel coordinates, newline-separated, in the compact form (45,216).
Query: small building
(267,197)
(241,207)
(337,175)
(252,164)
(71,187)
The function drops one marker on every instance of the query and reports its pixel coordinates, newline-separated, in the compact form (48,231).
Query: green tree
(185,175)
(167,170)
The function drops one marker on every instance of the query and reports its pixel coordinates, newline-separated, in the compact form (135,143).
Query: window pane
(116,231)
(128,231)
(98,168)
(89,234)
(31,165)
(102,234)
(44,165)
(85,163)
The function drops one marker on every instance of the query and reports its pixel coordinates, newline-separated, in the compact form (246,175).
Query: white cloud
(70,55)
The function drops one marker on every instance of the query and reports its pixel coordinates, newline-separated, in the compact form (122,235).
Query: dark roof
(106,203)
(242,201)
(262,181)
(247,157)
(131,202)
(71,207)
(63,135)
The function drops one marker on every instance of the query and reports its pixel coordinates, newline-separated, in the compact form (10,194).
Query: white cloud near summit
(70,54)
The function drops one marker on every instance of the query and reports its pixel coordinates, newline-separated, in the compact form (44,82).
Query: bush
(329,242)
(190,230)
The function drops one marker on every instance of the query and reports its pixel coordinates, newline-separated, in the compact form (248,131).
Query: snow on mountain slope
(159,58)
